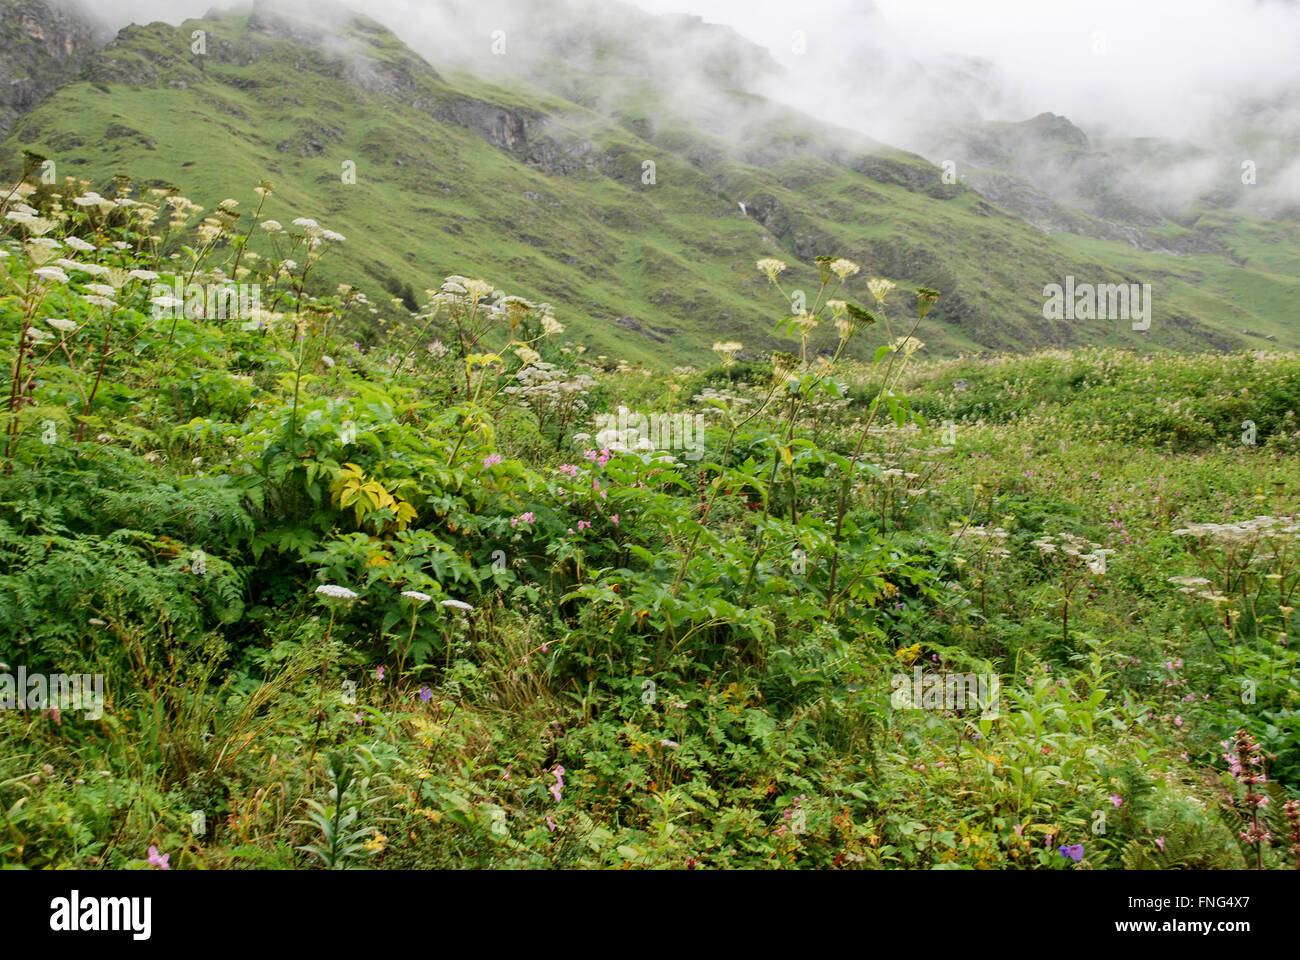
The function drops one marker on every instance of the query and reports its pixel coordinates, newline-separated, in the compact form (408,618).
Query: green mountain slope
(550,198)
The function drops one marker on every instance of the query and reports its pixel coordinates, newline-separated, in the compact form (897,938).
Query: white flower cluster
(545,385)
(1076,548)
(1243,531)
(335,592)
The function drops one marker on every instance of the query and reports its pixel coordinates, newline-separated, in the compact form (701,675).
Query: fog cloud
(1221,76)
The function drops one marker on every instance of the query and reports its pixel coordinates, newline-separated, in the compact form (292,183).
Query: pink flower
(614,519)
(379,672)
(558,786)
(1160,842)
(1178,721)
(1116,799)
(491,459)
(570,469)
(157,861)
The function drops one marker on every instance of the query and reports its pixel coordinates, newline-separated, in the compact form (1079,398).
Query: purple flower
(426,694)
(1074,852)
(159,861)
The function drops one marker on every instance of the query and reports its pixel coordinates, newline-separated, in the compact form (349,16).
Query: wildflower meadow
(319,582)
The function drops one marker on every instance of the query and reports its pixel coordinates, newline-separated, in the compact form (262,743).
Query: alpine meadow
(693,435)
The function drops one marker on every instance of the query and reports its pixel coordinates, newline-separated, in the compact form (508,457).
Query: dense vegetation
(600,192)
(388,595)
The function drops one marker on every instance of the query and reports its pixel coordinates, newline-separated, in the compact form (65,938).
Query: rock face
(42,45)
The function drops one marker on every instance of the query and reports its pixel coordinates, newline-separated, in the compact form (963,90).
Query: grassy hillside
(410,583)
(520,183)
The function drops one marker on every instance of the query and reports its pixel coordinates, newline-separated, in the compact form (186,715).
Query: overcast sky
(1165,67)
(1164,62)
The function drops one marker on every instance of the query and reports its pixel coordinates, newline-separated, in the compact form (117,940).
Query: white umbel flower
(54,274)
(335,592)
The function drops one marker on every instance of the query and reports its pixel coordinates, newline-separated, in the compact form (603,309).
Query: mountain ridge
(557,207)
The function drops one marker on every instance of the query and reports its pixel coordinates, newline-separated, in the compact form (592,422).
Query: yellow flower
(909,654)
(727,351)
(478,289)
(844,268)
(908,345)
(879,288)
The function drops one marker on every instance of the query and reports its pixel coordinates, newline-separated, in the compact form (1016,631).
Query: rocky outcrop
(43,44)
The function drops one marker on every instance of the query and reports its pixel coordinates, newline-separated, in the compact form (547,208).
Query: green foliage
(337,575)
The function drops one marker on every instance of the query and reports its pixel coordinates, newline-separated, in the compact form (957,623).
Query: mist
(1217,78)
